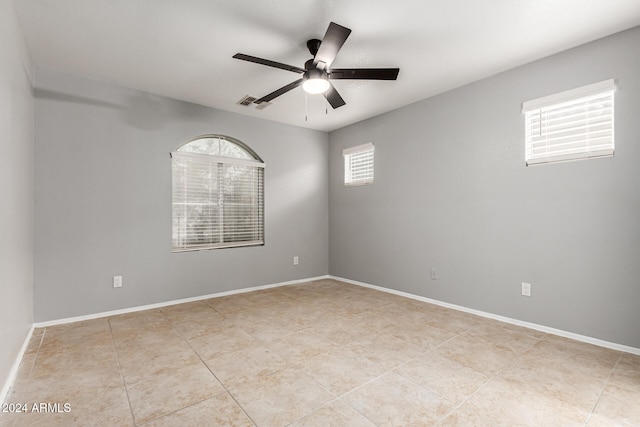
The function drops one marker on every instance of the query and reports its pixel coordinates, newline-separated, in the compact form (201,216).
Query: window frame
(368,175)
(218,166)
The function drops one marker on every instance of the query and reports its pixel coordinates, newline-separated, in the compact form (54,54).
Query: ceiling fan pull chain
(306,107)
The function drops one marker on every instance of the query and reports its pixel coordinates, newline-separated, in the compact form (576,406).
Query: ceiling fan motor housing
(309,65)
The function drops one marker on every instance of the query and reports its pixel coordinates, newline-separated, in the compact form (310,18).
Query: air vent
(262,105)
(246,100)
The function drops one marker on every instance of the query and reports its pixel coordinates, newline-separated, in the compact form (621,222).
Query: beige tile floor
(319,354)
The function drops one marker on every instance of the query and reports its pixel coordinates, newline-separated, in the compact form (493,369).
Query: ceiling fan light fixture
(315,81)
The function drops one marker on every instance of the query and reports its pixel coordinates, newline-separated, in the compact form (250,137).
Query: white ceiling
(182,48)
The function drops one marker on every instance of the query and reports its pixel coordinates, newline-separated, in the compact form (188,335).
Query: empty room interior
(310,213)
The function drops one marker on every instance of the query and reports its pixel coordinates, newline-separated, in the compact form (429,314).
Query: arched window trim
(235,141)
(217,201)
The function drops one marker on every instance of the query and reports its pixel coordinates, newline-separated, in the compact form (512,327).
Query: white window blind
(217,201)
(570,125)
(358,164)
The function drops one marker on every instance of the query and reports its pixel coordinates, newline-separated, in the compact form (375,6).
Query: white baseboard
(173,302)
(13,373)
(541,328)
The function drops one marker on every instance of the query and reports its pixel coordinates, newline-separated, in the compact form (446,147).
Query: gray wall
(103,200)
(452,192)
(16,190)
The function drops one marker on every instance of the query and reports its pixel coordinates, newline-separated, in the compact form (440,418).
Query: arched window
(218,194)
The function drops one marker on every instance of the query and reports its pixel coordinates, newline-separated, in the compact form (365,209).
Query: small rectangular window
(571,125)
(358,164)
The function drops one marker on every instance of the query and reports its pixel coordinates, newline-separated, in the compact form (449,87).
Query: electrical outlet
(434,274)
(526,289)
(117,281)
(295,260)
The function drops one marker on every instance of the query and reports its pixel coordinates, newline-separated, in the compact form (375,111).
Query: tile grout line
(421,386)
(298,366)
(312,411)
(455,407)
(604,387)
(186,341)
(289,365)
(124,383)
(337,398)
(424,352)
(439,394)
(391,370)
(218,379)
(340,397)
(485,383)
(188,406)
(35,361)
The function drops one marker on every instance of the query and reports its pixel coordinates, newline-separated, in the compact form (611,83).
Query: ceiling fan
(317,71)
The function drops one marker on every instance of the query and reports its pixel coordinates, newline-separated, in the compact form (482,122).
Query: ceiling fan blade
(268,63)
(278,92)
(334,97)
(333,40)
(364,73)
